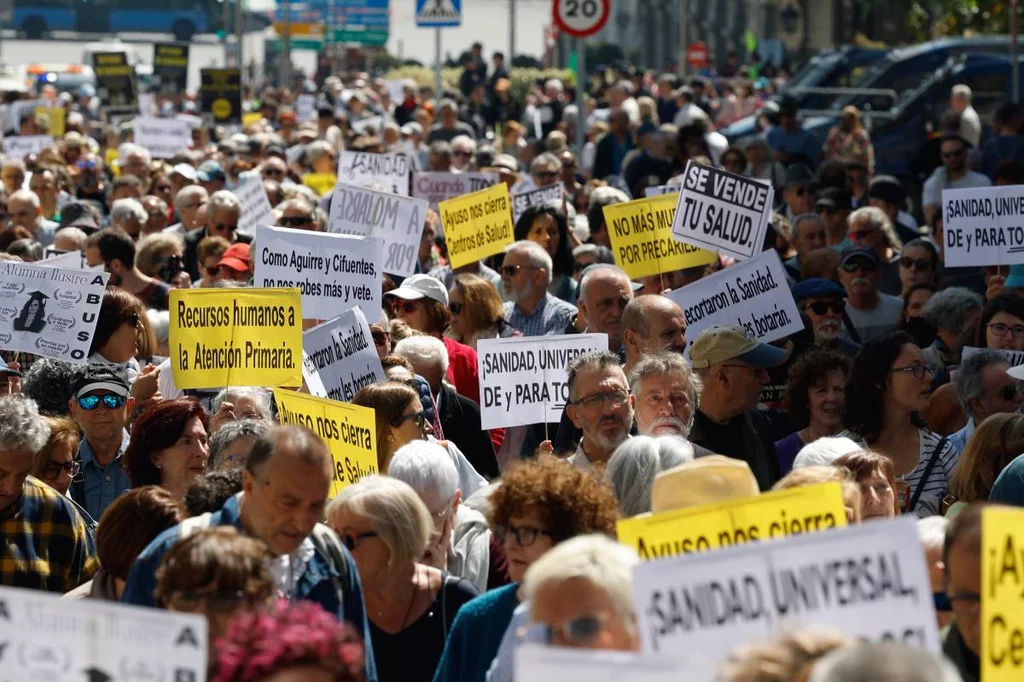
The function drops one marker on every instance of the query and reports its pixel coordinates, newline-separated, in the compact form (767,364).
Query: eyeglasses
(420,417)
(1009,391)
(579,631)
(351,540)
(52,469)
(920,265)
(862,265)
(600,400)
(966,600)
(511,270)
(1000,329)
(919,372)
(110,401)
(134,320)
(524,535)
(220,602)
(296,221)
(461,152)
(380,336)
(407,307)
(822,307)
(456,308)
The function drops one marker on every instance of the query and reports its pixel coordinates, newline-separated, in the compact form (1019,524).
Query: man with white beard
(665,392)
(822,302)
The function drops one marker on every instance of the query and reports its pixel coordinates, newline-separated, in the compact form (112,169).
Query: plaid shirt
(551,316)
(44,542)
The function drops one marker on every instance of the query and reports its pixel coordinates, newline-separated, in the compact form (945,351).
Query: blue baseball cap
(210,171)
(4,369)
(817,287)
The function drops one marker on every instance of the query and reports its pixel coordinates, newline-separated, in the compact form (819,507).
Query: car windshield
(815,72)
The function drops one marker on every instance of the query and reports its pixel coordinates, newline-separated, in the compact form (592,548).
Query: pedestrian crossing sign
(438,13)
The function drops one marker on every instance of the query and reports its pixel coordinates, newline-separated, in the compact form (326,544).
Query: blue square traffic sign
(438,13)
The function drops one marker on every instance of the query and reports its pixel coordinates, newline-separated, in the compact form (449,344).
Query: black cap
(854,251)
(275,149)
(798,174)
(888,189)
(98,376)
(833,197)
(78,214)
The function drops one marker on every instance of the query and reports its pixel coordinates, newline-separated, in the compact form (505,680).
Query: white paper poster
(535,197)
(305,108)
(536,663)
(20,146)
(438,187)
(396,89)
(753,294)
(69,259)
(49,311)
(256,208)
(365,169)
(723,212)
(658,190)
(1014,358)
(163,137)
(147,104)
(193,121)
(523,380)
(368,126)
(334,272)
(396,220)
(983,226)
(44,637)
(339,357)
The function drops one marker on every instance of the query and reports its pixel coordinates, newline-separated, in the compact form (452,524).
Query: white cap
(186,171)
(1016,372)
(421,286)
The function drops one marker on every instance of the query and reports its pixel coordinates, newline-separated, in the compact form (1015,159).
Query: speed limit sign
(582,18)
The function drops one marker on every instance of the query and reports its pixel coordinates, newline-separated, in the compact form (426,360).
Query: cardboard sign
(477,225)
(170,67)
(163,137)
(535,197)
(321,183)
(438,187)
(235,337)
(339,357)
(1013,357)
(396,220)
(868,581)
(49,311)
(983,226)
(753,294)
(98,640)
(388,171)
(722,211)
(641,235)
(305,108)
(334,272)
(1002,612)
(769,516)
(659,190)
(220,94)
(535,663)
(115,80)
(256,208)
(350,432)
(20,146)
(524,380)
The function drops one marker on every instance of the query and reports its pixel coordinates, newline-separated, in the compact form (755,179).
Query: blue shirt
(797,142)
(1009,485)
(101,485)
(551,316)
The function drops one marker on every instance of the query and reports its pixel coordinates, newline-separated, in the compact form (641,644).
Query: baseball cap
(724,342)
(236,257)
(4,369)
(421,286)
(185,170)
(888,189)
(1016,372)
(100,376)
(815,287)
(79,214)
(832,197)
(706,480)
(854,251)
(209,171)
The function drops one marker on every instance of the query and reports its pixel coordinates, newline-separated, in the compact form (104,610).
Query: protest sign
(438,187)
(68,259)
(868,581)
(753,294)
(1014,358)
(220,94)
(339,357)
(19,111)
(115,80)
(641,235)
(170,67)
(477,225)
(334,272)
(350,432)
(45,637)
(163,137)
(147,104)
(396,90)
(722,211)
(256,208)
(305,108)
(536,663)
(659,190)
(1002,611)
(193,121)
(983,226)
(523,380)
(321,183)
(368,126)
(395,220)
(252,117)
(772,515)
(49,311)
(535,197)
(365,169)
(54,117)
(20,146)
(235,337)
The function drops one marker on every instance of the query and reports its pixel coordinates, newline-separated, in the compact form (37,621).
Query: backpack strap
(927,472)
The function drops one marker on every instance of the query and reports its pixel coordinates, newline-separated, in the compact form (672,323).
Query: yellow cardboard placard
(251,117)
(477,225)
(110,157)
(321,183)
(236,337)
(772,515)
(350,432)
(1002,581)
(55,115)
(641,235)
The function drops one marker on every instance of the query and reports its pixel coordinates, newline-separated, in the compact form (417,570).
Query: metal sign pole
(438,89)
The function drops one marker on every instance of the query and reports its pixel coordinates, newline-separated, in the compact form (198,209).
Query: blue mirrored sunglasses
(110,401)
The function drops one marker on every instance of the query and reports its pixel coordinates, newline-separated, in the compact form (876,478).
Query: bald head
(288,442)
(652,323)
(605,291)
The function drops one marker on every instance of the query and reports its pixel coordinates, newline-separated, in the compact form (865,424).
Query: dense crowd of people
(117,485)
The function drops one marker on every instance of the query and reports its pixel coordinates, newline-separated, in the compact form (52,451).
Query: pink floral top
(851,146)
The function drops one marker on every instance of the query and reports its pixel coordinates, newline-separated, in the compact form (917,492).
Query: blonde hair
(786,657)
(395,512)
(152,248)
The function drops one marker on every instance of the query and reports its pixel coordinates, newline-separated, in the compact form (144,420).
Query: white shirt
(931,195)
(970,126)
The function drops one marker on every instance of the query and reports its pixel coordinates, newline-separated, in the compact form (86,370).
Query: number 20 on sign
(581,18)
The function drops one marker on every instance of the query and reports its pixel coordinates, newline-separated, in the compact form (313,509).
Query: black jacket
(460,422)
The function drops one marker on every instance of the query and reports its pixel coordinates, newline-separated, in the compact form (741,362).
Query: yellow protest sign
(642,241)
(350,432)
(55,117)
(251,117)
(236,337)
(321,183)
(778,514)
(1002,580)
(477,225)
(110,157)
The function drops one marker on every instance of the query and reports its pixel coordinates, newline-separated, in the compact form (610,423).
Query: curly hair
(48,383)
(806,373)
(157,429)
(869,381)
(261,644)
(994,444)
(570,501)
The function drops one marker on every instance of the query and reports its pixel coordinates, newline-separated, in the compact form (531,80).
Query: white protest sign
(339,357)
(45,637)
(193,121)
(70,259)
(524,380)
(163,137)
(147,103)
(1014,358)
(396,89)
(334,272)
(397,220)
(368,126)
(20,146)
(721,211)
(438,187)
(305,108)
(753,294)
(256,208)
(535,197)
(658,190)
(366,169)
(983,226)
(49,311)
(868,581)
(536,663)
(21,108)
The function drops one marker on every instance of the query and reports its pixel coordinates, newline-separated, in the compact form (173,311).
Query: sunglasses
(273,172)
(407,307)
(1009,391)
(295,221)
(822,307)
(212,271)
(456,308)
(420,418)
(110,401)
(511,270)
(920,265)
(461,152)
(379,337)
(862,265)
(546,174)
(352,540)
(580,267)
(827,210)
